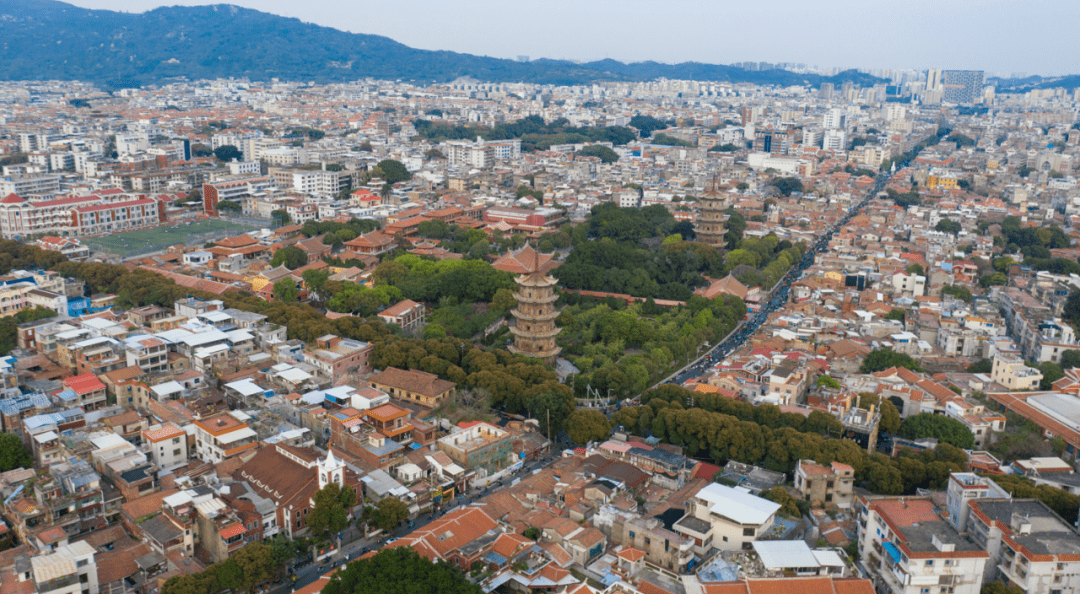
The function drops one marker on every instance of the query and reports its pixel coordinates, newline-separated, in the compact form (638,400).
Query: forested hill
(49,40)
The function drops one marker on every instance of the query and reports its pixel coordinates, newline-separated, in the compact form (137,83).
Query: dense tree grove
(625,349)
(620,251)
(13,453)
(398,569)
(881,359)
(251,566)
(514,382)
(942,428)
(722,429)
(534,133)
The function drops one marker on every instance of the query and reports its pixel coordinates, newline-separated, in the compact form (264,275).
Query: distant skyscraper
(835,119)
(933,79)
(962,86)
(826,91)
(771,141)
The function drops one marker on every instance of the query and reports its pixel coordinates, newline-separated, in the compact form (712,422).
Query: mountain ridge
(52,40)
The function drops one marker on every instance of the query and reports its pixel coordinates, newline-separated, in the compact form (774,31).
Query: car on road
(390,540)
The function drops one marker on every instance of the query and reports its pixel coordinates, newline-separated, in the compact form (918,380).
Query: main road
(778,296)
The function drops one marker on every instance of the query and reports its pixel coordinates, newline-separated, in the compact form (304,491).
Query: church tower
(331,470)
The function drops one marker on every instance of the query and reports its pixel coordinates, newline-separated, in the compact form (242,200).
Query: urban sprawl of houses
(166,436)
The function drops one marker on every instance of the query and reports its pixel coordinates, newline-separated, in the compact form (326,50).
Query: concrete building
(826,486)
(908,545)
(68,569)
(725,518)
(1011,372)
(479,446)
(223,436)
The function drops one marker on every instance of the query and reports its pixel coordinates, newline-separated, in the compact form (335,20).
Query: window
(631,534)
(725,539)
(648,541)
(748,531)
(930,563)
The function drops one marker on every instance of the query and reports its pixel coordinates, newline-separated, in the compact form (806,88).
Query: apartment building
(67,569)
(725,518)
(77,216)
(909,545)
(312,182)
(1029,545)
(233,188)
(223,436)
(335,356)
(1011,372)
(479,445)
(826,486)
(26,185)
(168,445)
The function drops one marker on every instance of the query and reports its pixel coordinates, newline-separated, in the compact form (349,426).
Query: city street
(354,545)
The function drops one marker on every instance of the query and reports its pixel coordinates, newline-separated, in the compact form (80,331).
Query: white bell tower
(331,470)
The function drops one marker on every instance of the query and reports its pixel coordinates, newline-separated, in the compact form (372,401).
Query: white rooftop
(168,388)
(245,387)
(785,554)
(737,505)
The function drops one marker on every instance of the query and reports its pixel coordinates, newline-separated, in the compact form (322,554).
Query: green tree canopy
(281,217)
(390,512)
(948,226)
(881,359)
(393,171)
(606,154)
(291,256)
(944,429)
(586,425)
(330,514)
(285,291)
(13,454)
(787,185)
(399,570)
(228,152)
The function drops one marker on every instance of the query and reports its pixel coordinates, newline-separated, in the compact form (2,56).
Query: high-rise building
(835,119)
(711,224)
(534,327)
(833,140)
(826,92)
(962,86)
(771,141)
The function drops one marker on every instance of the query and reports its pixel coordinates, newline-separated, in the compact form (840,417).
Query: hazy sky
(1029,36)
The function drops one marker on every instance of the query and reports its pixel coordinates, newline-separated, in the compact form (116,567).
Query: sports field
(159,238)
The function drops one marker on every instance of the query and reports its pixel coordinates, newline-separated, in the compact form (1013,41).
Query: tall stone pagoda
(711,223)
(534,327)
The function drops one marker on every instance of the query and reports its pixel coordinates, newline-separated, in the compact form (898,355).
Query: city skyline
(996,36)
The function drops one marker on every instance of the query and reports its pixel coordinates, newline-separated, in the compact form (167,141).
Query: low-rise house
(407,314)
(416,387)
(826,486)
(726,518)
(223,436)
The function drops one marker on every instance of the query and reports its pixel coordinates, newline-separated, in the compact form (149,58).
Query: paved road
(355,545)
(778,296)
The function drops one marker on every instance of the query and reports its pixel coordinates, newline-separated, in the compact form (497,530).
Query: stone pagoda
(711,223)
(534,327)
